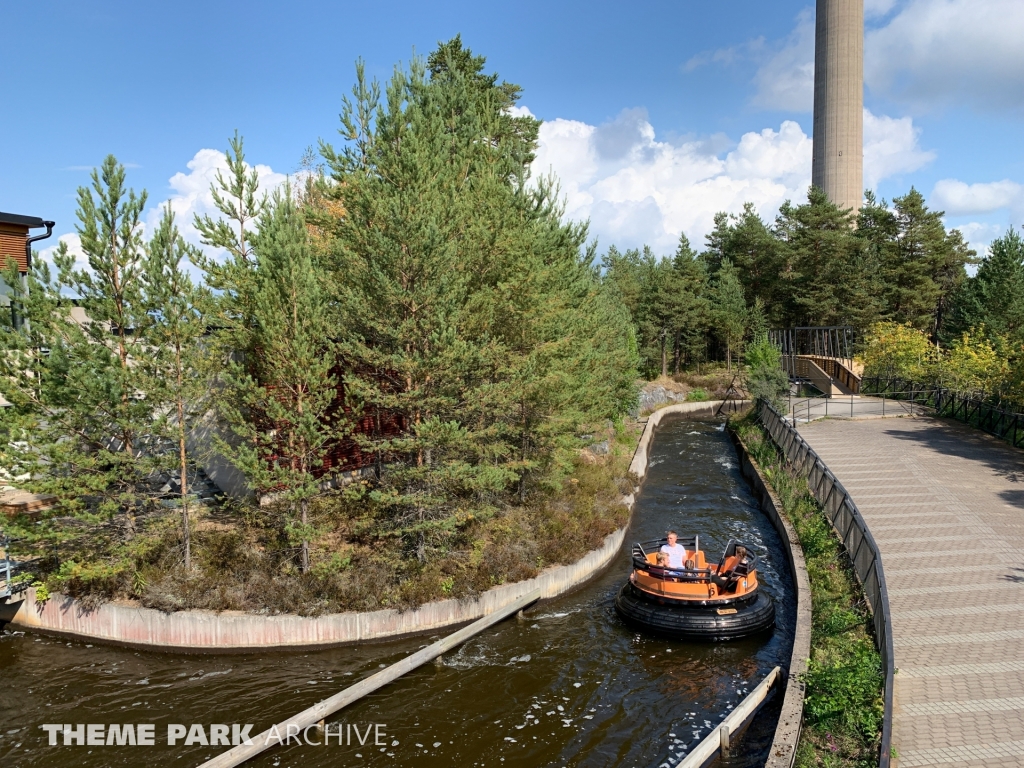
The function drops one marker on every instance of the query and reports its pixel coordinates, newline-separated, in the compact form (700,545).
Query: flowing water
(570,685)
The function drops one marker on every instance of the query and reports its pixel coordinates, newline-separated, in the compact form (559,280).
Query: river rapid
(570,685)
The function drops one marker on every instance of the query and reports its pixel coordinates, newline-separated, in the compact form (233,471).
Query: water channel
(569,686)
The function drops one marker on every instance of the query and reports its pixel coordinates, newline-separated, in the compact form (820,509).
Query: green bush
(843,704)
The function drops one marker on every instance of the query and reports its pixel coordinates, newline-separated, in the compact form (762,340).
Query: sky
(656,114)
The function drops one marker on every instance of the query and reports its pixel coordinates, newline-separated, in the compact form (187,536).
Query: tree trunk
(186,533)
(304,563)
(728,357)
(664,355)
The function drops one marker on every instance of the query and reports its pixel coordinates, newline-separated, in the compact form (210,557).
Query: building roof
(32,222)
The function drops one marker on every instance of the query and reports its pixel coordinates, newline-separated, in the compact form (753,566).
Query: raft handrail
(719,738)
(697,575)
(860,546)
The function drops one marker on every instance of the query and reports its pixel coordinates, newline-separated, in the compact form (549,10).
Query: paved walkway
(946,505)
(850,407)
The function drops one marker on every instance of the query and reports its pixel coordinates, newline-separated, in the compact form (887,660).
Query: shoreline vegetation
(415,307)
(843,700)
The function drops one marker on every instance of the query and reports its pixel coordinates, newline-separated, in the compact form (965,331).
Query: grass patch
(843,706)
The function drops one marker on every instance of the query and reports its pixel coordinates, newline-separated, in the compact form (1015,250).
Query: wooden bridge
(822,357)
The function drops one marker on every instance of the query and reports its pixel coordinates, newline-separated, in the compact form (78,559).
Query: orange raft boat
(721,601)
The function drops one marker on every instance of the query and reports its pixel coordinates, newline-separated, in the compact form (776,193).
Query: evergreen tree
(237,197)
(925,267)
(74,374)
(467,311)
(280,400)
(761,263)
(822,251)
(994,297)
(729,309)
(178,309)
(690,308)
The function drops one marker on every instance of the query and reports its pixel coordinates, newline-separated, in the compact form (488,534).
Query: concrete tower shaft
(838,164)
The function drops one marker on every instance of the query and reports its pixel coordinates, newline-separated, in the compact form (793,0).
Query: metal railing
(851,406)
(968,407)
(846,519)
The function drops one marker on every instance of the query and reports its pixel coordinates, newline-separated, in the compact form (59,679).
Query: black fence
(967,407)
(859,543)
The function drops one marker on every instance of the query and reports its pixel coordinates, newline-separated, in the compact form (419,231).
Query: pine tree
(75,376)
(690,308)
(178,310)
(820,247)
(729,309)
(926,266)
(994,297)
(237,197)
(467,311)
(280,399)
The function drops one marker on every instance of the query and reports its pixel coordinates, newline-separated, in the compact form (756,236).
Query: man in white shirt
(676,552)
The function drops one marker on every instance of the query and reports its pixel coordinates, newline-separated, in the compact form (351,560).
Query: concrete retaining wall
(237,631)
(787,732)
(211,631)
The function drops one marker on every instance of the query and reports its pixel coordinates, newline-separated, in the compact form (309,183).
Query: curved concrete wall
(237,631)
(787,732)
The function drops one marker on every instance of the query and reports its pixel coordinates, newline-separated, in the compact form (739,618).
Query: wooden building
(15,242)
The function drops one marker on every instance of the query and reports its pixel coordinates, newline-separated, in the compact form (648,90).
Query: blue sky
(657,113)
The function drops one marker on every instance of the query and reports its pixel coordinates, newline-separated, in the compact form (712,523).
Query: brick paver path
(946,505)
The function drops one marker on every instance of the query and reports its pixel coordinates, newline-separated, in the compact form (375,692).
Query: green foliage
(976,361)
(698,395)
(829,282)
(894,350)
(765,378)
(465,308)
(843,704)
(178,310)
(279,399)
(994,297)
(667,301)
(728,308)
(76,375)
(923,266)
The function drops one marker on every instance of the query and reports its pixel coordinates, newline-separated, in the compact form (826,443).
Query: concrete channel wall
(227,631)
(787,732)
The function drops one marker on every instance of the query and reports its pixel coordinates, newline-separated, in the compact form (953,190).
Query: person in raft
(676,552)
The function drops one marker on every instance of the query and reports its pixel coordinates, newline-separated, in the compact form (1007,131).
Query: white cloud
(960,199)
(190,196)
(891,148)
(786,79)
(979,235)
(636,189)
(938,52)
(925,53)
(74,244)
(877,8)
